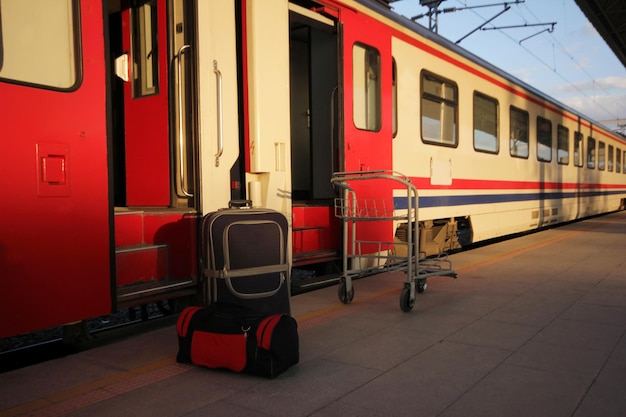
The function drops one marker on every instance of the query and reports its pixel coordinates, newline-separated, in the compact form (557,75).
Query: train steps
(155,255)
(315,232)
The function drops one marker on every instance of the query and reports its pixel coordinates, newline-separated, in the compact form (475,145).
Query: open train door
(144,66)
(367,117)
(367,74)
(179,141)
(220,153)
(314,76)
(54,228)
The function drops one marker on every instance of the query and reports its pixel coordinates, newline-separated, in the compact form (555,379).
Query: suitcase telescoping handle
(228,275)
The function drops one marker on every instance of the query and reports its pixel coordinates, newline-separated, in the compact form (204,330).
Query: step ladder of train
(314,235)
(310,238)
(145,268)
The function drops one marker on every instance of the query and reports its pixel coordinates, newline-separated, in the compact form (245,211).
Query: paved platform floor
(533,326)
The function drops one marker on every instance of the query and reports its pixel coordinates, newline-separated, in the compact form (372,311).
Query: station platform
(533,326)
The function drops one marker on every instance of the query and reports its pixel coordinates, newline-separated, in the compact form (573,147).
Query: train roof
(383,7)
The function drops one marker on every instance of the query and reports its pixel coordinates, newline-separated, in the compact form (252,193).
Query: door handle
(220,113)
(182,161)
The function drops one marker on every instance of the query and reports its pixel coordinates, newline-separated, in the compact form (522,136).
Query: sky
(572,63)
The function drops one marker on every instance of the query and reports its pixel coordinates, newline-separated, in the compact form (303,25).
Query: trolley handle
(380,173)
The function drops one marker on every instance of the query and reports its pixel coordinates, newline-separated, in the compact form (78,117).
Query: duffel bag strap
(182,324)
(265,330)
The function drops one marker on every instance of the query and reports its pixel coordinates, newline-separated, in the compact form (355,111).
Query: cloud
(593,86)
(599,107)
(590,31)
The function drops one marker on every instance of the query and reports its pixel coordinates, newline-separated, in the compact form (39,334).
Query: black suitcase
(245,259)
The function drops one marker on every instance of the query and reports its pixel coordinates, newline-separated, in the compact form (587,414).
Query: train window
(618,160)
(485,123)
(578,149)
(145,52)
(38,43)
(519,133)
(544,139)
(601,155)
(439,110)
(394,97)
(366,87)
(562,145)
(609,160)
(591,153)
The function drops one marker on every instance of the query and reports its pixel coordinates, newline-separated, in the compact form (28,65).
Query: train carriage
(124,122)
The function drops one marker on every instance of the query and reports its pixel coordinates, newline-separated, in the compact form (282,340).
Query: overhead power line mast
(506,8)
(434,12)
(549,30)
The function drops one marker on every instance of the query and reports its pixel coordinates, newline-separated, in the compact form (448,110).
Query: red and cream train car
(124,122)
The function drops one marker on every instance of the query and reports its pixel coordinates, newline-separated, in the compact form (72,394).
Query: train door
(54,228)
(314,120)
(152,43)
(158,110)
(367,72)
(218,99)
(340,93)
(367,146)
(144,68)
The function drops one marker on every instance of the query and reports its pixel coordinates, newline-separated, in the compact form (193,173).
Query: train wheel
(345,296)
(406,304)
(421,285)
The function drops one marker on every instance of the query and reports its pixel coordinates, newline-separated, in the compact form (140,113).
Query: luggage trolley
(356,263)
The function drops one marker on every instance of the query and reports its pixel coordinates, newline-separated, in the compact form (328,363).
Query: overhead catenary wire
(598,94)
(553,68)
(564,50)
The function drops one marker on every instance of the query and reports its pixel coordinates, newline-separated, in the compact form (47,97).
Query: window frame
(146,78)
(76,72)
(579,141)
(496,137)
(512,145)
(546,122)
(394,97)
(560,129)
(591,153)
(441,102)
(601,156)
(365,121)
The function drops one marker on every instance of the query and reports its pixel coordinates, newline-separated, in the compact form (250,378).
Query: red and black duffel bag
(228,338)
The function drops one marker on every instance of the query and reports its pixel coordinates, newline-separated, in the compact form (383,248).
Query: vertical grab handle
(333,94)
(220,114)
(182,163)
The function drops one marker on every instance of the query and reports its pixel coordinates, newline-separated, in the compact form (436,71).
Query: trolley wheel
(421,285)
(406,304)
(345,296)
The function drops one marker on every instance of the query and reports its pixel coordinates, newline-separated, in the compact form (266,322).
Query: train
(125,122)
